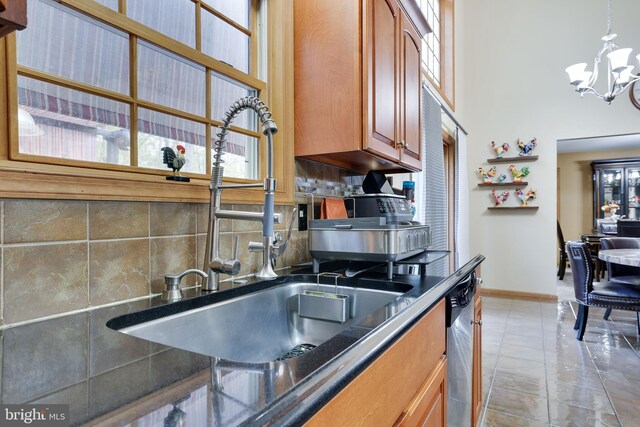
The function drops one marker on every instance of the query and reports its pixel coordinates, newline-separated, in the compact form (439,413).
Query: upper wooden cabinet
(357,83)
(13,16)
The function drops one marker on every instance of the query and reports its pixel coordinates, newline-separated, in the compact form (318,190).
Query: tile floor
(535,372)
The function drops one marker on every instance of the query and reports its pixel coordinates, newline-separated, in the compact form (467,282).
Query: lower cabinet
(429,406)
(476,385)
(405,386)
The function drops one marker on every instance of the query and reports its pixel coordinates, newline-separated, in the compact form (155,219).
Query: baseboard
(529,296)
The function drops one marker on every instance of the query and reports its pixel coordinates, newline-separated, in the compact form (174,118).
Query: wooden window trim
(447,87)
(23,177)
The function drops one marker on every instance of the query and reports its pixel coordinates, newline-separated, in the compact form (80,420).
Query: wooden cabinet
(13,16)
(357,91)
(476,372)
(405,384)
(429,406)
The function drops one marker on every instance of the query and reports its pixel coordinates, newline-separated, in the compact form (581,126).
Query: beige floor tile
(519,404)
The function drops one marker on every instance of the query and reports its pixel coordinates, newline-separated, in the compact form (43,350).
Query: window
(109,88)
(437,47)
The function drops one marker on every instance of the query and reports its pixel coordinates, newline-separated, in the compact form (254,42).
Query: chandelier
(619,75)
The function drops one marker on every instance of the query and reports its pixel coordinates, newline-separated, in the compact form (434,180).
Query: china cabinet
(616,181)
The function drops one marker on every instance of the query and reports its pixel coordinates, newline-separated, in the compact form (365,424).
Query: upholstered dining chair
(617,272)
(562,266)
(606,295)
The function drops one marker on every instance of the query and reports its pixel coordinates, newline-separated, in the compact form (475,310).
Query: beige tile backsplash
(62,256)
(58,256)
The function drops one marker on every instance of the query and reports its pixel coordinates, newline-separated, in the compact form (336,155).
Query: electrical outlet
(303,223)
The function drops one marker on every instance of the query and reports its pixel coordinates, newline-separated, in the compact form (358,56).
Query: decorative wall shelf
(500,208)
(504,184)
(513,159)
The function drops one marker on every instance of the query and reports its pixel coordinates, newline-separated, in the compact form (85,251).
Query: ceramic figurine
(518,174)
(487,174)
(499,149)
(526,149)
(610,210)
(175,160)
(502,177)
(499,199)
(524,198)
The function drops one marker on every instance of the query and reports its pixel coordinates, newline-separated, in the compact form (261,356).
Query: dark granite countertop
(111,378)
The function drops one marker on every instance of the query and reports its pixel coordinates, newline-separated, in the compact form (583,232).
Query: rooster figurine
(518,174)
(487,174)
(499,199)
(526,149)
(499,149)
(175,160)
(524,198)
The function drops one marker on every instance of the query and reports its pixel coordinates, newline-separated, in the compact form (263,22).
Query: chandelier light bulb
(576,73)
(618,59)
(625,75)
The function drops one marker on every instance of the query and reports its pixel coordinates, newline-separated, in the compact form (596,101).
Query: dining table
(629,257)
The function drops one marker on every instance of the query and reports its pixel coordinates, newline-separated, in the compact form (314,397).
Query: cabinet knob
(402,144)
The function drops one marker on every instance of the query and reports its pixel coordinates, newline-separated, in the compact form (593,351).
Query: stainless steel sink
(261,326)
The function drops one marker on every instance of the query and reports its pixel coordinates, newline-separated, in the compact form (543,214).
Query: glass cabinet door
(611,190)
(633,193)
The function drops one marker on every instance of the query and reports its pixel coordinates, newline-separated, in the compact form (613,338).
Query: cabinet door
(633,193)
(410,72)
(476,387)
(428,407)
(382,74)
(611,189)
(13,16)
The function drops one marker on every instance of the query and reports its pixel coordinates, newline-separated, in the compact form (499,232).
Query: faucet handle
(281,245)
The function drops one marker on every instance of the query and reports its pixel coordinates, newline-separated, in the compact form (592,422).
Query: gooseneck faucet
(214,264)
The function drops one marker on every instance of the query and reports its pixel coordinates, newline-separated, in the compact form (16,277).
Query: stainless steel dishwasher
(459,321)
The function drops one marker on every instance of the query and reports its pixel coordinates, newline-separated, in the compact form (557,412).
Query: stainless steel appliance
(460,351)
(366,239)
(395,208)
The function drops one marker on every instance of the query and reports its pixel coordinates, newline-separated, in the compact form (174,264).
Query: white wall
(510,83)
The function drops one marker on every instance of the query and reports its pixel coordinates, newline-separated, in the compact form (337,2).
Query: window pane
(224,91)
(68,44)
(173,18)
(167,79)
(238,10)
(113,4)
(224,42)
(58,122)
(158,130)
(241,155)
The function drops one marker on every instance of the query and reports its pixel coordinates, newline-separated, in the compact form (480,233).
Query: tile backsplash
(61,256)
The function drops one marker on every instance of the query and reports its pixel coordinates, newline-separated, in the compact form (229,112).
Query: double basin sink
(261,323)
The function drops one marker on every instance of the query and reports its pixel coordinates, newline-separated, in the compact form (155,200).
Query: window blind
(433,200)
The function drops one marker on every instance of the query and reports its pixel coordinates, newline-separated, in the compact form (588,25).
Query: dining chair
(628,228)
(562,252)
(606,295)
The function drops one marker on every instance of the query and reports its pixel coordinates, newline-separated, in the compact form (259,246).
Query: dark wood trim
(504,184)
(513,159)
(501,208)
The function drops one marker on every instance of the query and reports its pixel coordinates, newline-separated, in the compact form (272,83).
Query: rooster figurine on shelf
(518,174)
(524,198)
(499,199)
(175,161)
(499,149)
(526,149)
(487,174)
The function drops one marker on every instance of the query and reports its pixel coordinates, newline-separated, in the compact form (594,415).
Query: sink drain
(297,351)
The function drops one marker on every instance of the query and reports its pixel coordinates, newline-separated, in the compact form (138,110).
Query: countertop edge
(303,400)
